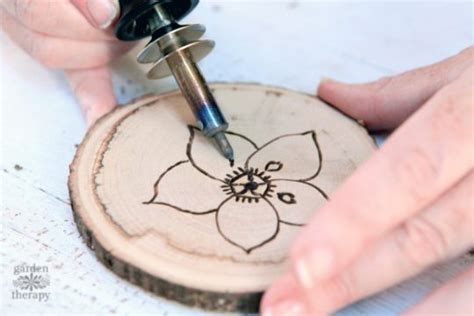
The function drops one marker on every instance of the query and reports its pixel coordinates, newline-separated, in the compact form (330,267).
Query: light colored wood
(40,128)
(163,208)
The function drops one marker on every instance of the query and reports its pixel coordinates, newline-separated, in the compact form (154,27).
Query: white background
(287,43)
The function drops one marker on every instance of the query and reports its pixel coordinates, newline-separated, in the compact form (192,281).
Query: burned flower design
(271,181)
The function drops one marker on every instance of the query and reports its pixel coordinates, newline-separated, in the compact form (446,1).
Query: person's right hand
(71,35)
(407,208)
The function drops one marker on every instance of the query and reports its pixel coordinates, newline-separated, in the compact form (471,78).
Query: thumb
(386,103)
(100,13)
(93,91)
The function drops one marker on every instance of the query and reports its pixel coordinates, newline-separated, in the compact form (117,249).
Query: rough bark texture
(225,302)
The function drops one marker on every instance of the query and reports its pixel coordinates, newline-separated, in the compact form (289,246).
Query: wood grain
(161,208)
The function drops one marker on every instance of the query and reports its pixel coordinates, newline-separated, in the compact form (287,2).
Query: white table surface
(287,43)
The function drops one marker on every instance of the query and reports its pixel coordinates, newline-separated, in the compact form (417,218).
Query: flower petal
(245,225)
(207,158)
(294,157)
(296,202)
(184,188)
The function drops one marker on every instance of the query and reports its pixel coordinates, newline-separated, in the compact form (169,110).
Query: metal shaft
(191,82)
(197,94)
(173,49)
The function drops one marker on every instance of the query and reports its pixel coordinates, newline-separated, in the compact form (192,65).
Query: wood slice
(162,208)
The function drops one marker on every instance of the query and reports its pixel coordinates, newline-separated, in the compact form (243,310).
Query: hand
(71,35)
(405,209)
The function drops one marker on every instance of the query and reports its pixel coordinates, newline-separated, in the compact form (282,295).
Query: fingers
(57,34)
(58,52)
(284,298)
(454,298)
(100,13)
(442,231)
(55,18)
(93,90)
(386,103)
(422,159)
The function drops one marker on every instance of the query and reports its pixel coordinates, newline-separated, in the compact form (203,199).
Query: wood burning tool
(175,49)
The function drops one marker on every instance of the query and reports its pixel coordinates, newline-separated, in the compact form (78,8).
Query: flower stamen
(248,185)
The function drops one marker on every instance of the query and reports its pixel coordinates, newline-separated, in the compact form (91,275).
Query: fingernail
(103,12)
(286,308)
(317,265)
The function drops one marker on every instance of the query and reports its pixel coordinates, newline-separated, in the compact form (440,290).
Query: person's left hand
(75,36)
(408,207)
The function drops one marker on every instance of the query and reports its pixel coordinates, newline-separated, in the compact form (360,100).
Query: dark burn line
(229,187)
(157,182)
(249,250)
(316,143)
(190,157)
(307,183)
(320,156)
(243,137)
(291,224)
(182,210)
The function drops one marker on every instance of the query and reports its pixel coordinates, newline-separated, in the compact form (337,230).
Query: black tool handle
(134,22)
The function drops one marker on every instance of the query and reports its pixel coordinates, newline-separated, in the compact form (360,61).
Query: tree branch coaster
(163,209)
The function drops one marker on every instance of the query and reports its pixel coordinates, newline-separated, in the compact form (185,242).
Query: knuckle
(379,98)
(380,87)
(381,84)
(456,207)
(452,114)
(24,11)
(39,50)
(417,171)
(338,293)
(80,88)
(422,242)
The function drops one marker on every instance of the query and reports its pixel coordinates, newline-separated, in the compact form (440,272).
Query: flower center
(251,186)
(248,185)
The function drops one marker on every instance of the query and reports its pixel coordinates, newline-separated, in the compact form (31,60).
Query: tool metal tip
(225,147)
